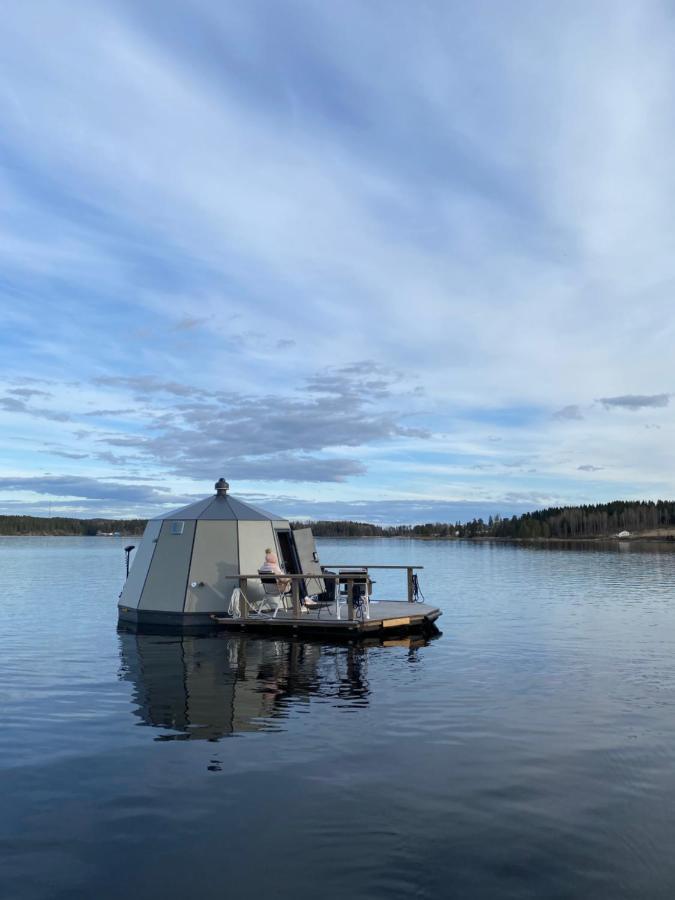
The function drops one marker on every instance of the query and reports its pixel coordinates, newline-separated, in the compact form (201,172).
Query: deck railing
(350,576)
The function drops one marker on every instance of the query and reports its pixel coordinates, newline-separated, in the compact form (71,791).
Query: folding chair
(272,593)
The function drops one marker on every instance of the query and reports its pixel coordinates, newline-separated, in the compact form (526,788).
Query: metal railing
(353,577)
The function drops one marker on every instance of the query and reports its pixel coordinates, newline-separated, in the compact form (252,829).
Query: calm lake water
(527,752)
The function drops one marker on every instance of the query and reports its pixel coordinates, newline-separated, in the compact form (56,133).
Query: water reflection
(595,545)
(209,687)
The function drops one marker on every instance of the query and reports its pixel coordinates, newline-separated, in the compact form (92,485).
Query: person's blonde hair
(269,550)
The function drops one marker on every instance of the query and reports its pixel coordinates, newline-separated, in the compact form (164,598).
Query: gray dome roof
(221,506)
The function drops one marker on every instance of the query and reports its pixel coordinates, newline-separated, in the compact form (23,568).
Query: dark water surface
(528,752)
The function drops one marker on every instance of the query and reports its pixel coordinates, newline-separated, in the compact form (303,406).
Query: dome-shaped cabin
(185,567)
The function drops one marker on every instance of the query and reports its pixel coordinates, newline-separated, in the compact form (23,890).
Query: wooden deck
(386,617)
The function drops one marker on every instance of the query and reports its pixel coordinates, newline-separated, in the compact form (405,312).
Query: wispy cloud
(268,436)
(635,401)
(568,412)
(13,405)
(90,489)
(109,413)
(187,323)
(145,385)
(27,393)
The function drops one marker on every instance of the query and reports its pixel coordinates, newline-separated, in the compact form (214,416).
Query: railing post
(337,597)
(295,590)
(243,605)
(350,599)
(411,592)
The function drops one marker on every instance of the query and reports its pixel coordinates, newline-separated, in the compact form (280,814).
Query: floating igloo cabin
(190,561)
(187,563)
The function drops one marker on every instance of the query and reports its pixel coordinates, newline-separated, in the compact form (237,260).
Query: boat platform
(385,617)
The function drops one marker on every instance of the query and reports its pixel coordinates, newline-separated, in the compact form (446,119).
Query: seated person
(271,566)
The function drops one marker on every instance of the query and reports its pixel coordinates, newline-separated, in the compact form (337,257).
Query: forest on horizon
(586,521)
(61,526)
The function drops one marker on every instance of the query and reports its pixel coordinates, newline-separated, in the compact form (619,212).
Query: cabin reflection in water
(205,688)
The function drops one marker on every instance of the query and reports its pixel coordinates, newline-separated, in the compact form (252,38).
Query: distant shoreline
(478,539)
(63,526)
(59,534)
(620,520)
(501,540)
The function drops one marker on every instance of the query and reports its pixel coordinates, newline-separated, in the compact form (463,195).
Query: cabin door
(309,560)
(288,553)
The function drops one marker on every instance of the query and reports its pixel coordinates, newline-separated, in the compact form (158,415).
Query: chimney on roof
(222,487)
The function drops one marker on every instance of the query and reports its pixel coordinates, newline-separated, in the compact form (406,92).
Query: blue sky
(387,260)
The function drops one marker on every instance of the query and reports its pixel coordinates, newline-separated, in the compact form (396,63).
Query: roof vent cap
(222,487)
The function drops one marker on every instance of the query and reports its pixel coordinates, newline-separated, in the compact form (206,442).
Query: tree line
(329,528)
(18,525)
(587,521)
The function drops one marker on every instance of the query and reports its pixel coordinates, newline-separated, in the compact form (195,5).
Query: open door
(309,560)
(290,561)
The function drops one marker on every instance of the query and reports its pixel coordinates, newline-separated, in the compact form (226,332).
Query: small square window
(177,527)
